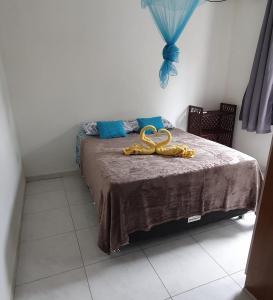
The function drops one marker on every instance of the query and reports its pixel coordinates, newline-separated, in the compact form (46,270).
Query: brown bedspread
(138,192)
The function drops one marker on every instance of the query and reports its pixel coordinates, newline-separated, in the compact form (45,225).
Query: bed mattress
(136,193)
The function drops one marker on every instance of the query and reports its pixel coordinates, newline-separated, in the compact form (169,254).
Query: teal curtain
(171,17)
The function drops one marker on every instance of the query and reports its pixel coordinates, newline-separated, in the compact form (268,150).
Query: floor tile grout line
(242,270)
(100,261)
(84,268)
(201,285)
(186,235)
(209,254)
(49,191)
(156,273)
(49,276)
(46,237)
(78,243)
(69,208)
(139,249)
(51,210)
(79,229)
(242,288)
(55,235)
(113,257)
(60,234)
(53,180)
(230,275)
(226,274)
(43,211)
(42,192)
(235,281)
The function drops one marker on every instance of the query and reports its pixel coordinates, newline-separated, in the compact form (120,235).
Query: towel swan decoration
(162,148)
(177,150)
(139,149)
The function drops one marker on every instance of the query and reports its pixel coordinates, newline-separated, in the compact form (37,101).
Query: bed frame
(182,225)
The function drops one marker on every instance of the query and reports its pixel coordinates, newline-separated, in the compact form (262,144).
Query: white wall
(69,61)
(11,193)
(246,28)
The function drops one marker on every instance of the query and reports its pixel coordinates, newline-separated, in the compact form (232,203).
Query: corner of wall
(243,45)
(12,186)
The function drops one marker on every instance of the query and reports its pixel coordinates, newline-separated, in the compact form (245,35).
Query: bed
(136,193)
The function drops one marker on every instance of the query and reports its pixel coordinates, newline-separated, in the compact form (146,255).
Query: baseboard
(15,230)
(52,176)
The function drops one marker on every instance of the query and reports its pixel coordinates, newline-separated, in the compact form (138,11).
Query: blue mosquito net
(171,17)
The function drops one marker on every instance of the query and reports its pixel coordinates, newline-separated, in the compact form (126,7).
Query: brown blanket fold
(138,192)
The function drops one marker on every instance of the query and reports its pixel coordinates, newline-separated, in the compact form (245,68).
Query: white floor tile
(88,244)
(240,278)
(91,252)
(223,289)
(66,286)
(42,186)
(45,257)
(84,215)
(45,224)
(76,190)
(127,277)
(45,201)
(78,197)
(50,262)
(183,265)
(247,222)
(228,245)
(74,183)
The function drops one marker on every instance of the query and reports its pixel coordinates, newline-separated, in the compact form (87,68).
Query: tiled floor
(59,258)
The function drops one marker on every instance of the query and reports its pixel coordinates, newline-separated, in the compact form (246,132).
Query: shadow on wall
(58,152)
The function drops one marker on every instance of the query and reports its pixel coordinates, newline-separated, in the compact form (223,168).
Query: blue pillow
(111,129)
(155,121)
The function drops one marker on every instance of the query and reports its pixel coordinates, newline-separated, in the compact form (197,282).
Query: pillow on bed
(90,128)
(155,121)
(167,124)
(111,129)
(131,126)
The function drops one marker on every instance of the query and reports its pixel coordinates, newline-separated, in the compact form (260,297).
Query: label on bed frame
(194,219)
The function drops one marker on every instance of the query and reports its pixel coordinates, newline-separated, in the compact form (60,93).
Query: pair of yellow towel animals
(162,148)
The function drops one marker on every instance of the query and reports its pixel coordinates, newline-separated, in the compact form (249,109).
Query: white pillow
(90,128)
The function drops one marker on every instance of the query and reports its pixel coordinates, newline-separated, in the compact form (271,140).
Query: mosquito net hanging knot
(170,55)
(171,17)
